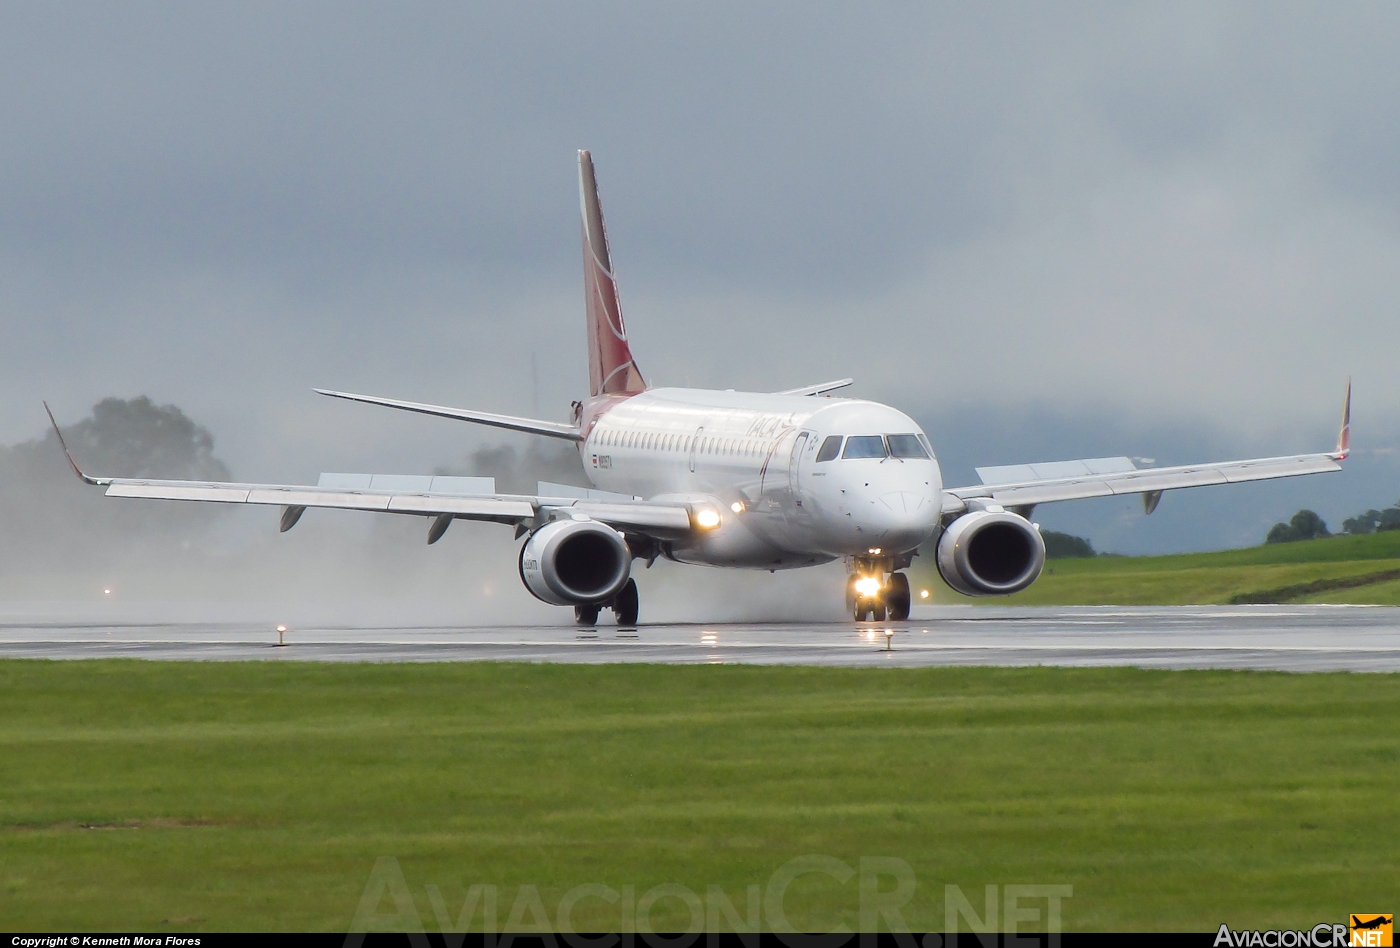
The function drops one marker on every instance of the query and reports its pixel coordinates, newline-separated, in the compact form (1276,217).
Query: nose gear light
(868,586)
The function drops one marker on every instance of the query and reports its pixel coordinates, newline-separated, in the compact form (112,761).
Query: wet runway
(1290,638)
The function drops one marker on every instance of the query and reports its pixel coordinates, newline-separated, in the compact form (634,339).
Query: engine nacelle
(572,562)
(990,553)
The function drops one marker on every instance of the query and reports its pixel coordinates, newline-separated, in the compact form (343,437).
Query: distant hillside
(1339,569)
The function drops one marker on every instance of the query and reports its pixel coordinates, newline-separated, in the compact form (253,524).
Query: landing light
(923,593)
(707,519)
(868,586)
(737,507)
(875,550)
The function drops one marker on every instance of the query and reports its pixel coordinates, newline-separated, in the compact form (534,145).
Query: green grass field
(1205,578)
(159,795)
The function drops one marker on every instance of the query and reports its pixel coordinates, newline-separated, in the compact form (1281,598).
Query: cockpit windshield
(906,446)
(864,446)
(899,446)
(831,447)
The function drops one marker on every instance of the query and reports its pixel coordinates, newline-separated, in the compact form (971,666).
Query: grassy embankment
(1342,569)
(161,796)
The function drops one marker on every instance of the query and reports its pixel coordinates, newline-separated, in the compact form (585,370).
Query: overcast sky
(1075,224)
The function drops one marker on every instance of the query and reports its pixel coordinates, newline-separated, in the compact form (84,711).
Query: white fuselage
(755,457)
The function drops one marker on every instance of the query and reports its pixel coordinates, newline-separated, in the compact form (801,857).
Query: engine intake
(990,553)
(572,562)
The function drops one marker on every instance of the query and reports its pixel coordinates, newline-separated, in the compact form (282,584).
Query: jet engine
(990,553)
(574,562)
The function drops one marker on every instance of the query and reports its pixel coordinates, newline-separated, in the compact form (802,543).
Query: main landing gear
(625,606)
(871,598)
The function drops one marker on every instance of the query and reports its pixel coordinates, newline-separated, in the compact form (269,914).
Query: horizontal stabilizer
(821,388)
(552,429)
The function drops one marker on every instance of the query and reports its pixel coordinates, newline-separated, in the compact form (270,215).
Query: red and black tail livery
(611,370)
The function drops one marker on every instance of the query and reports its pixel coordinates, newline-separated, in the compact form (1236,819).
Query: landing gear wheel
(863,608)
(627,604)
(587,615)
(897,597)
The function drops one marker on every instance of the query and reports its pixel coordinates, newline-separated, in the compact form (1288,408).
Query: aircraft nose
(898,519)
(903,501)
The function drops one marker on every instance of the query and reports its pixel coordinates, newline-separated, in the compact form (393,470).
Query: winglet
(1344,437)
(94,481)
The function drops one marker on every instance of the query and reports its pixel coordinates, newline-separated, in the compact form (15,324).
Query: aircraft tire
(897,599)
(627,604)
(587,615)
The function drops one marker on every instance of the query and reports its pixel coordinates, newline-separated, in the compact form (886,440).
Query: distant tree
(1362,524)
(1063,546)
(1303,525)
(1373,521)
(138,438)
(48,517)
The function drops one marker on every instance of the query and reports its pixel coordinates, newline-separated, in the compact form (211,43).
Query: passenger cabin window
(906,446)
(831,447)
(864,446)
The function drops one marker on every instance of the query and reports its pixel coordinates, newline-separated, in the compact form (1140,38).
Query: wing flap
(638,515)
(1025,494)
(468,508)
(310,497)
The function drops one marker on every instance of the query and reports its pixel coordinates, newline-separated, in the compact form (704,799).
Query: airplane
(750,480)
(1378,922)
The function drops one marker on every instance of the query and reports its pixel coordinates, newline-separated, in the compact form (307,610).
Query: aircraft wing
(405,494)
(653,519)
(1031,484)
(1150,481)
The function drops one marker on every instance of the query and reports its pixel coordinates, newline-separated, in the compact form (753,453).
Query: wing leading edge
(1102,480)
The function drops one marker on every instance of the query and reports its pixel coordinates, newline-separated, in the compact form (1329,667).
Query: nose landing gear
(869,599)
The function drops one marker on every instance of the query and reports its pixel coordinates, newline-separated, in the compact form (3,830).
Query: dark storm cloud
(289,136)
(1130,218)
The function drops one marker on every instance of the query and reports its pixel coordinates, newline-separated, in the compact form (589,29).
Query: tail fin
(611,370)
